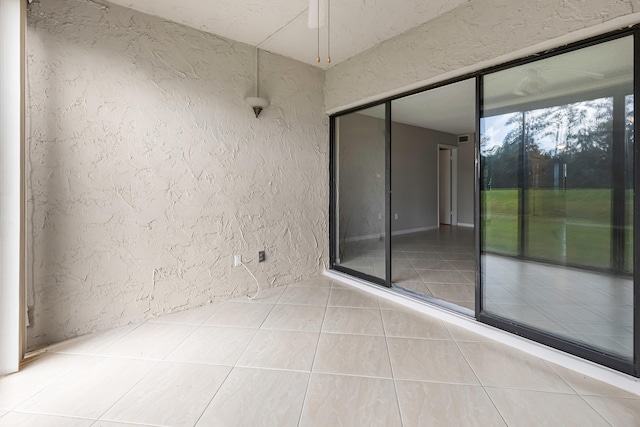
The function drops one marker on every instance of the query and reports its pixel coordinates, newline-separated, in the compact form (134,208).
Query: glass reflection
(556,200)
(360,183)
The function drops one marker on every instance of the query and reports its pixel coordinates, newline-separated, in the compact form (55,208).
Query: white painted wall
(148,171)
(466,181)
(414,181)
(471,37)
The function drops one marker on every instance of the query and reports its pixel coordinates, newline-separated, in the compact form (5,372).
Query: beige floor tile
(215,345)
(454,256)
(339,285)
(466,304)
(149,341)
(114,424)
(305,296)
(587,386)
(536,408)
(340,400)
(240,314)
(192,387)
(430,264)
(194,316)
(352,355)
(429,404)
(295,318)
(293,350)
(463,265)
(461,334)
(386,304)
(401,275)
(347,320)
(403,323)
(315,282)
(93,343)
(618,412)
(429,360)
(470,276)
(422,255)
(87,392)
(452,291)
(441,276)
(265,296)
(498,365)
(352,298)
(34,376)
(20,419)
(257,397)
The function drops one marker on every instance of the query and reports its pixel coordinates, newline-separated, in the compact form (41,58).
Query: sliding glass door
(360,182)
(520,212)
(556,198)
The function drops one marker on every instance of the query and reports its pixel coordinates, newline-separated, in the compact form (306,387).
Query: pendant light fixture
(256,102)
(319,16)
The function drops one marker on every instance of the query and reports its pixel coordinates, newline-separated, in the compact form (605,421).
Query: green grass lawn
(572,226)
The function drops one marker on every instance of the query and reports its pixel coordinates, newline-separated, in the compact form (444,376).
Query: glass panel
(556,199)
(569,173)
(628,193)
(433,186)
(360,197)
(500,152)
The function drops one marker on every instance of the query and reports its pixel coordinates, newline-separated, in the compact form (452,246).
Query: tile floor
(586,306)
(438,263)
(315,353)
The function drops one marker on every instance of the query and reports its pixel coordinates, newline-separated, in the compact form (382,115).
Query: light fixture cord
(328,31)
(318,34)
(257,88)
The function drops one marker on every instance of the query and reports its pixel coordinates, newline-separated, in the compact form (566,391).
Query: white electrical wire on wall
(254,278)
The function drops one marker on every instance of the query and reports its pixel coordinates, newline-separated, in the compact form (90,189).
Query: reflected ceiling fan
(532,83)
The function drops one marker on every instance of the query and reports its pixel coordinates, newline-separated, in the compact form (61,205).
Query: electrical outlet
(237,260)
(261,256)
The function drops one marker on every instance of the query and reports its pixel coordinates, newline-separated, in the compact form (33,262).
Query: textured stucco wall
(148,171)
(473,36)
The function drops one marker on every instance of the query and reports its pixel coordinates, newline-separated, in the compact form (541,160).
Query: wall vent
(464,138)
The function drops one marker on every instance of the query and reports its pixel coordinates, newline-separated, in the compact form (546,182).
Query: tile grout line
(576,392)
(393,375)
(478,378)
(315,354)
(159,362)
(235,365)
(214,395)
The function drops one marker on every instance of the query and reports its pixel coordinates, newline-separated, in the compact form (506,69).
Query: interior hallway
(315,353)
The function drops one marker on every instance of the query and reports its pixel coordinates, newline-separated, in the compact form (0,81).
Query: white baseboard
(566,360)
(465,224)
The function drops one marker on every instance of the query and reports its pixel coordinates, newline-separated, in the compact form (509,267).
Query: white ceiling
(558,79)
(450,109)
(280,26)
